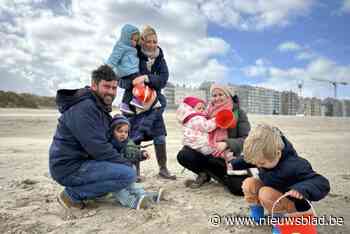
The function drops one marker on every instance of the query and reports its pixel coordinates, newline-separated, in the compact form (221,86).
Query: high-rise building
(276,103)
(346,107)
(333,107)
(259,100)
(312,106)
(289,103)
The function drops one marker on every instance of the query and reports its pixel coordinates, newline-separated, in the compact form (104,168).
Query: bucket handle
(285,195)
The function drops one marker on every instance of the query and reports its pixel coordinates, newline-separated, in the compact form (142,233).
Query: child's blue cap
(119,119)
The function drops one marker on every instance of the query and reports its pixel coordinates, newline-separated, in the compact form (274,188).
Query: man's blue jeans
(96,178)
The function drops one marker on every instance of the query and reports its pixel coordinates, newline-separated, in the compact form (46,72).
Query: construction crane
(334,83)
(300,87)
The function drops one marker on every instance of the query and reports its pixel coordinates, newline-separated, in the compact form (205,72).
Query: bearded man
(81,157)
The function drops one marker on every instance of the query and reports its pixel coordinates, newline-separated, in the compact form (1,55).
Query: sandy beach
(28,194)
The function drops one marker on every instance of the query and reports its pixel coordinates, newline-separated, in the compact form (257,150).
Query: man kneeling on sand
(82,158)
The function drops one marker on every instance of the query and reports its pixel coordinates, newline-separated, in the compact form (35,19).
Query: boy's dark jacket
(291,172)
(82,133)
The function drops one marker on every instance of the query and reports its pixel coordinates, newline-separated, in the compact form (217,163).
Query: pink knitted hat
(193,101)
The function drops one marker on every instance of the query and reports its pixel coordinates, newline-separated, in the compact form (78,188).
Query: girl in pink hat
(196,127)
(199,130)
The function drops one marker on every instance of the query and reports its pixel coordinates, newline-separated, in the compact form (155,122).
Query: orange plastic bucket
(143,93)
(294,225)
(225,119)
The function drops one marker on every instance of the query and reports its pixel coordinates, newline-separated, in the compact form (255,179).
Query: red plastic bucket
(143,93)
(225,119)
(294,225)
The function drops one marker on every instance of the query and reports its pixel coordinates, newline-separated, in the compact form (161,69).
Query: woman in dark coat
(149,125)
(208,166)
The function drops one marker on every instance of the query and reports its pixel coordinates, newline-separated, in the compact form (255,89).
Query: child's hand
(221,146)
(139,80)
(295,194)
(145,155)
(229,156)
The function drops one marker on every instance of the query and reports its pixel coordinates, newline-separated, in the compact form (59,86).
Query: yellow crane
(334,83)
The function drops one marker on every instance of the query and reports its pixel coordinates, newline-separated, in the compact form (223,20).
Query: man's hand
(295,194)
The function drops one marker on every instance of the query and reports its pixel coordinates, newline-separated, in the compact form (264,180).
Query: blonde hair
(264,141)
(147,31)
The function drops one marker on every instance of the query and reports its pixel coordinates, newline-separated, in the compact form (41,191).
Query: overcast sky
(50,44)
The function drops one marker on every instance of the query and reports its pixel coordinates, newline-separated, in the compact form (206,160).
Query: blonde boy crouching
(281,171)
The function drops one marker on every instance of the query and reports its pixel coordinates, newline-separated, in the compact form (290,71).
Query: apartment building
(312,106)
(289,103)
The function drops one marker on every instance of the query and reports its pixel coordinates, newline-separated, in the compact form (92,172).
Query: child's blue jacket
(123,59)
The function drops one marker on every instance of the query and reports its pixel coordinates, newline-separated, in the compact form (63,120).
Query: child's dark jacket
(291,172)
(129,150)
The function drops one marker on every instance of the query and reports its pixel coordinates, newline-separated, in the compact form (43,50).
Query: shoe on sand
(141,202)
(156,197)
(201,179)
(67,203)
(140,179)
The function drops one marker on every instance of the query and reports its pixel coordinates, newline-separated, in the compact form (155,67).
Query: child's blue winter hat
(127,31)
(119,119)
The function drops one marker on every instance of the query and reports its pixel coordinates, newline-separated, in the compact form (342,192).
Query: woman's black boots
(161,155)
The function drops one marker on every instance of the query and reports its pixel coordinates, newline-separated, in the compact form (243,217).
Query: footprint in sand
(343,197)
(333,195)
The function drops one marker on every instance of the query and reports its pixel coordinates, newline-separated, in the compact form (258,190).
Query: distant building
(333,107)
(257,99)
(312,106)
(182,91)
(260,100)
(243,94)
(205,87)
(338,109)
(169,92)
(289,103)
(276,102)
(234,89)
(346,107)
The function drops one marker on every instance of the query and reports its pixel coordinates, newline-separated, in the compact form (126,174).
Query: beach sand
(28,194)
